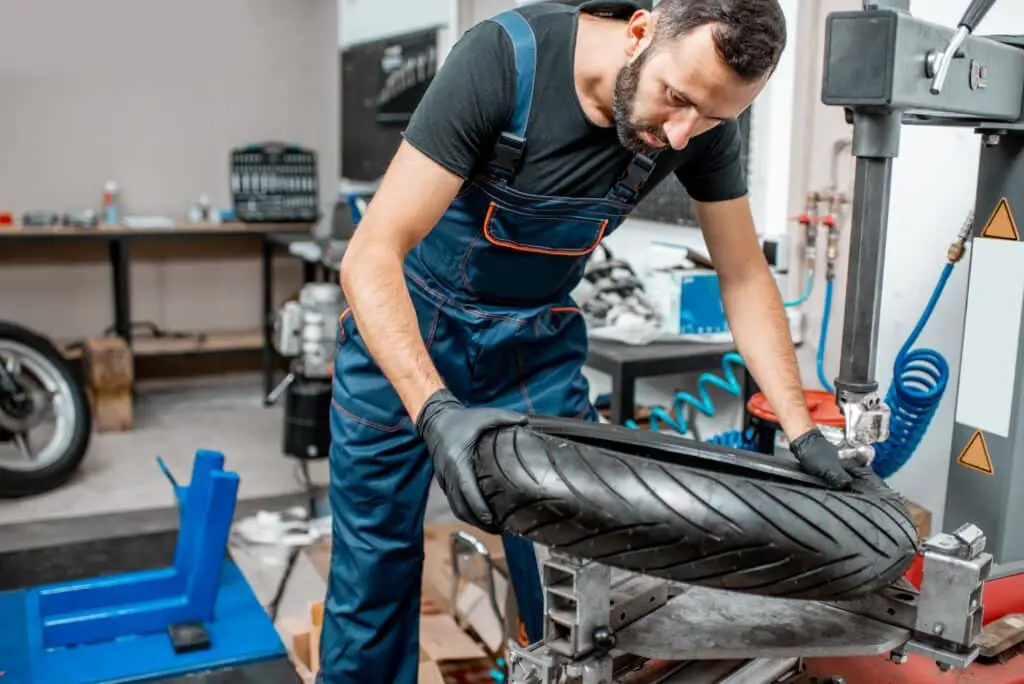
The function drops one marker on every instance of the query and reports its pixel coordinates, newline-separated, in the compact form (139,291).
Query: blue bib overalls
(491,287)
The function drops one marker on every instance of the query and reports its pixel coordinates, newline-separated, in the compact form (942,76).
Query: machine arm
(886,67)
(941,61)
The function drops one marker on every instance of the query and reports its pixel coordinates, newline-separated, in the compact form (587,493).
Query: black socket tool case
(274,182)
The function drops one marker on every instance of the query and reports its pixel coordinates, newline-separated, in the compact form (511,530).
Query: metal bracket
(533,664)
(949,613)
(463,544)
(597,616)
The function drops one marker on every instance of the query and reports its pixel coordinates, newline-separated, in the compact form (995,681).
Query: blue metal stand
(117,628)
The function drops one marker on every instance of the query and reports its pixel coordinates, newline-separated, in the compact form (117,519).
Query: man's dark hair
(749,34)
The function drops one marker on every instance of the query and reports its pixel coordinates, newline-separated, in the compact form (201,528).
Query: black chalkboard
(382,81)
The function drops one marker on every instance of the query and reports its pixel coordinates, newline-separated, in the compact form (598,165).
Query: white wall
(360,21)
(160,118)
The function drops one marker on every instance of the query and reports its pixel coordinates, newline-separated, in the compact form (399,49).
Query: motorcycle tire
(695,513)
(21,483)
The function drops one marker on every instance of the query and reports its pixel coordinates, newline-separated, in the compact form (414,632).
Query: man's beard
(626,84)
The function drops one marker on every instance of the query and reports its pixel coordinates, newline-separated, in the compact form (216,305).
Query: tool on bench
(604,625)
(275,182)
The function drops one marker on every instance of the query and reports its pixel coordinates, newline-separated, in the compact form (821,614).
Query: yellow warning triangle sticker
(1001,224)
(975,455)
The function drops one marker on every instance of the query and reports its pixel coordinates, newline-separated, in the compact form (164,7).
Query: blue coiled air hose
(919,380)
(676,419)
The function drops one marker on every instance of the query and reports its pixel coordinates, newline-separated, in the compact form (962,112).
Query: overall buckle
(636,174)
(508,152)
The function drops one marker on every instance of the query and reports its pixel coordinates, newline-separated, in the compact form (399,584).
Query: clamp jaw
(605,626)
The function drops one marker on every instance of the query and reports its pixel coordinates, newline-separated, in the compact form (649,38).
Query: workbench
(624,363)
(628,363)
(119,241)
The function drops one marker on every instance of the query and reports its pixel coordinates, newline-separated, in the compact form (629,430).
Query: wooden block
(922,519)
(300,645)
(108,365)
(109,372)
(1000,636)
(443,640)
(316,614)
(112,411)
(430,673)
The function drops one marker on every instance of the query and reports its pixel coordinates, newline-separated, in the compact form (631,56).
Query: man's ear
(640,30)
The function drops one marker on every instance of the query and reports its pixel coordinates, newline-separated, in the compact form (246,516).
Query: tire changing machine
(886,68)
(195,621)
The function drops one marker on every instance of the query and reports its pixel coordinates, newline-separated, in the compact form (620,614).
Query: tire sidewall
(18,483)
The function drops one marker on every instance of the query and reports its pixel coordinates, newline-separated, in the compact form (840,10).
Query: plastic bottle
(111,200)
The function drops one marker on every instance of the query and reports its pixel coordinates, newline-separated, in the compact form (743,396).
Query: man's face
(675,89)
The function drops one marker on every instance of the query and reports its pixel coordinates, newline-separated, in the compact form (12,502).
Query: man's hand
(820,458)
(451,432)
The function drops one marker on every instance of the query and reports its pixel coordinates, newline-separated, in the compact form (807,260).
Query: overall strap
(627,189)
(508,151)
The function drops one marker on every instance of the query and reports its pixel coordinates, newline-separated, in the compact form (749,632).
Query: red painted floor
(1001,597)
(916,670)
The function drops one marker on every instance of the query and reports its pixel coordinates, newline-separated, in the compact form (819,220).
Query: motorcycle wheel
(694,513)
(37,365)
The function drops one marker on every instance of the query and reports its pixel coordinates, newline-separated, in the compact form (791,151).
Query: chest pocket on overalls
(530,249)
(530,255)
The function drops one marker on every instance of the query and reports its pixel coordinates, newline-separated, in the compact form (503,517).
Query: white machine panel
(988,362)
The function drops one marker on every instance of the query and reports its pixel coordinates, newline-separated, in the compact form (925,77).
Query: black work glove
(866,480)
(820,458)
(451,432)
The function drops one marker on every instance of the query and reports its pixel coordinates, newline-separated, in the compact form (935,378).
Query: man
(539,134)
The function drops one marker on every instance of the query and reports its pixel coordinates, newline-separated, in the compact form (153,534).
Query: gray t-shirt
(471,99)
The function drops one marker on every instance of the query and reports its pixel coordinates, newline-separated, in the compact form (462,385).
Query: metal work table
(628,363)
(625,363)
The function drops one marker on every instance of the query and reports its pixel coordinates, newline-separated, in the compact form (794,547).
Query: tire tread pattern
(696,525)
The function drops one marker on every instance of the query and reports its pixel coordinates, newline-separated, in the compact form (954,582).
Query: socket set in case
(275,182)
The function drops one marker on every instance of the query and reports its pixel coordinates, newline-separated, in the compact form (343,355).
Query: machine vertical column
(876,136)
(986,472)
(866,262)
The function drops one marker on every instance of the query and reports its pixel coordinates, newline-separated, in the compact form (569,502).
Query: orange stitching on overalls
(369,423)
(565,309)
(520,247)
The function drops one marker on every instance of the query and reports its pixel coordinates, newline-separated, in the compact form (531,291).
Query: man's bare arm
(413,195)
(754,309)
